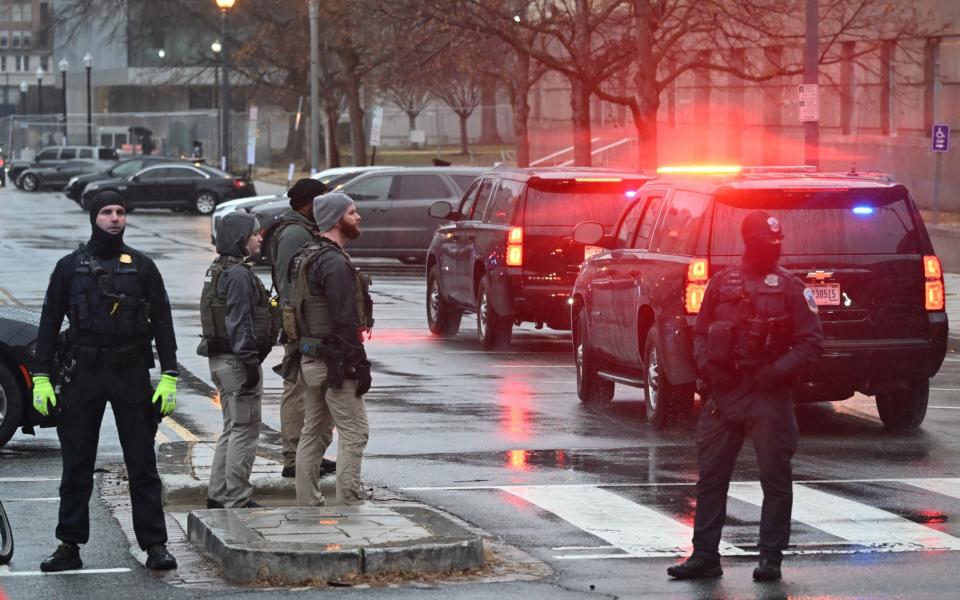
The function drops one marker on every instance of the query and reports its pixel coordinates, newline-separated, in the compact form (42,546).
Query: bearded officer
(757,328)
(116,303)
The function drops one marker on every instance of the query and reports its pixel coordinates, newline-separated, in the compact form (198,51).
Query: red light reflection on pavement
(515,403)
(395,337)
(517,460)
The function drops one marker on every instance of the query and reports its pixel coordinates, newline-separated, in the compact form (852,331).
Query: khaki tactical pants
(237,446)
(324,406)
(291,414)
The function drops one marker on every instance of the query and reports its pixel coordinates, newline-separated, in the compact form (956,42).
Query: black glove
(335,371)
(766,378)
(252,376)
(718,376)
(364,378)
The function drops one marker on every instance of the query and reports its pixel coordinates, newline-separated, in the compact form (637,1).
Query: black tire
(494,330)
(11,405)
(591,389)
(903,410)
(442,317)
(664,401)
(29,182)
(6,537)
(205,202)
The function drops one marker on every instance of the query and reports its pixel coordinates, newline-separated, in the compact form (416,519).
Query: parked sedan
(56,177)
(124,168)
(18,334)
(176,186)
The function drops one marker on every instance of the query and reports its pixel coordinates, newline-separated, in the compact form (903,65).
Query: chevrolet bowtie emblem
(819,275)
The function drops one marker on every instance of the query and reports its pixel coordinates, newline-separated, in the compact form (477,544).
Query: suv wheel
(493,329)
(904,409)
(11,405)
(205,202)
(664,401)
(442,317)
(29,182)
(590,387)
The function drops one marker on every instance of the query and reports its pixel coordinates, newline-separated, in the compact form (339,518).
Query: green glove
(167,394)
(43,395)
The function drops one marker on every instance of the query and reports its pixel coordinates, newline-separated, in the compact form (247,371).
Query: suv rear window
(857,221)
(107,154)
(570,202)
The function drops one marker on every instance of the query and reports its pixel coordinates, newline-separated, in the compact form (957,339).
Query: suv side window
(48,154)
(86,153)
(372,188)
(466,205)
(682,223)
(628,228)
(68,153)
(483,198)
(650,215)
(421,187)
(504,202)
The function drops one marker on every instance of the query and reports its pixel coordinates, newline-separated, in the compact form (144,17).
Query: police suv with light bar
(856,240)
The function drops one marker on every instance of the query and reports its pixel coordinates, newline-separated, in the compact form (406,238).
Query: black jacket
(335,277)
(237,286)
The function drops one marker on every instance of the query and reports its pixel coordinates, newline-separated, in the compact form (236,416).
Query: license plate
(825,294)
(589,251)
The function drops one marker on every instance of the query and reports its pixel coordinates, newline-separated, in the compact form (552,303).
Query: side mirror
(588,233)
(134,178)
(440,210)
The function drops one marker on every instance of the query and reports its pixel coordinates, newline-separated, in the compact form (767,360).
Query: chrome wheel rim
(205,204)
(579,364)
(653,380)
(29,183)
(482,315)
(3,405)
(433,303)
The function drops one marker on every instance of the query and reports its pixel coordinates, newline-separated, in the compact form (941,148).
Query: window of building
(27,12)
(16,13)
(3,63)
(45,63)
(27,39)
(4,12)
(16,39)
(4,39)
(23,63)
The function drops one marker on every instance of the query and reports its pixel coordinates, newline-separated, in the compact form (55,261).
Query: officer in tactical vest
(295,228)
(239,327)
(116,303)
(333,311)
(757,328)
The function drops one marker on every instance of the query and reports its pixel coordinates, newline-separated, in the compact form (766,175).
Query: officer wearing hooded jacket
(757,328)
(239,327)
(296,228)
(333,310)
(116,303)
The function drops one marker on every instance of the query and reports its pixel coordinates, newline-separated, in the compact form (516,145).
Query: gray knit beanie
(329,208)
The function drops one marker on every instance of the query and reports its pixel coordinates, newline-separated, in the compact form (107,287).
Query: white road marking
(946,487)
(853,521)
(663,484)
(637,530)
(26,479)
(44,499)
(945,407)
(6,572)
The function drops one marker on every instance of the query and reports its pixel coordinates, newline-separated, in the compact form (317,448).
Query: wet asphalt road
(500,440)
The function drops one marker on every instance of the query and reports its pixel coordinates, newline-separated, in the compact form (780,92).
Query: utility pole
(811,60)
(314,86)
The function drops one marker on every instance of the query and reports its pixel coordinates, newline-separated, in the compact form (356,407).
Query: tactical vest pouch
(720,343)
(289,319)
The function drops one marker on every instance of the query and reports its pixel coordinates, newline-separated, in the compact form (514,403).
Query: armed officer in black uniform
(756,329)
(116,303)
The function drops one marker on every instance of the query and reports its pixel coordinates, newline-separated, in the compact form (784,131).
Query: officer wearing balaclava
(757,328)
(117,307)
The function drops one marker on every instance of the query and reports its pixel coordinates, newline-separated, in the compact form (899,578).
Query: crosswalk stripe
(858,523)
(946,487)
(637,530)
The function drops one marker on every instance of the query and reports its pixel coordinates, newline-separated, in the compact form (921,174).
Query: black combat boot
(158,559)
(289,472)
(767,570)
(328,466)
(65,558)
(696,568)
(211,503)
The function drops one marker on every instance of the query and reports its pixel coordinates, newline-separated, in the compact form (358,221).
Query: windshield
(571,202)
(873,221)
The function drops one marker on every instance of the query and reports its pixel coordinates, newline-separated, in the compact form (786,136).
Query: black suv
(508,255)
(57,155)
(856,240)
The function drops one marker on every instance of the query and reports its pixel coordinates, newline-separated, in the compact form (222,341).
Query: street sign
(808,101)
(940,138)
(252,137)
(375,124)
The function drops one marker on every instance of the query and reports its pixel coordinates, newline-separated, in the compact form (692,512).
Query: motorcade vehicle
(55,155)
(57,177)
(393,204)
(507,254)
(176,186)
(855,239)
(18,335)
(124,168)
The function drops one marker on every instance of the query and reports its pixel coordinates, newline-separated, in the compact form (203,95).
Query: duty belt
(115,356)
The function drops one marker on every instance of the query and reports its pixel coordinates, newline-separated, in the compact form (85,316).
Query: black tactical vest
(213,311)
(107,302)
(311,311)
(759,313)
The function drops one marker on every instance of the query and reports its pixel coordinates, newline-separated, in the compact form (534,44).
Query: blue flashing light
(630,193)
(863,210)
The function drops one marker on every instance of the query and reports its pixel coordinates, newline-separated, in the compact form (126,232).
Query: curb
(295,545)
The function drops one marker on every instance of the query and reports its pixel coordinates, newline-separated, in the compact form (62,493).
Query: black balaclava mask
(762,237)
(103,244)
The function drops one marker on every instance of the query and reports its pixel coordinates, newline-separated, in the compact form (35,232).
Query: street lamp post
(24,88)
(216,48)
(225,6)
(88,64)
(64,65)
(39,74)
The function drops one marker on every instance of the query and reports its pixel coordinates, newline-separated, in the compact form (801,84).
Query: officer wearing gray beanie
(328,209)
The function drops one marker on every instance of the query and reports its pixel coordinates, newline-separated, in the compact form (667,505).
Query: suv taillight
(515,247)
(933,292)
(698,272)
(239,184)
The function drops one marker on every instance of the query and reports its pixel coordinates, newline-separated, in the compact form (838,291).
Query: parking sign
(940,138)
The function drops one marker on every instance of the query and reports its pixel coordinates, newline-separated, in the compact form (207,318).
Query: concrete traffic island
(297,545)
